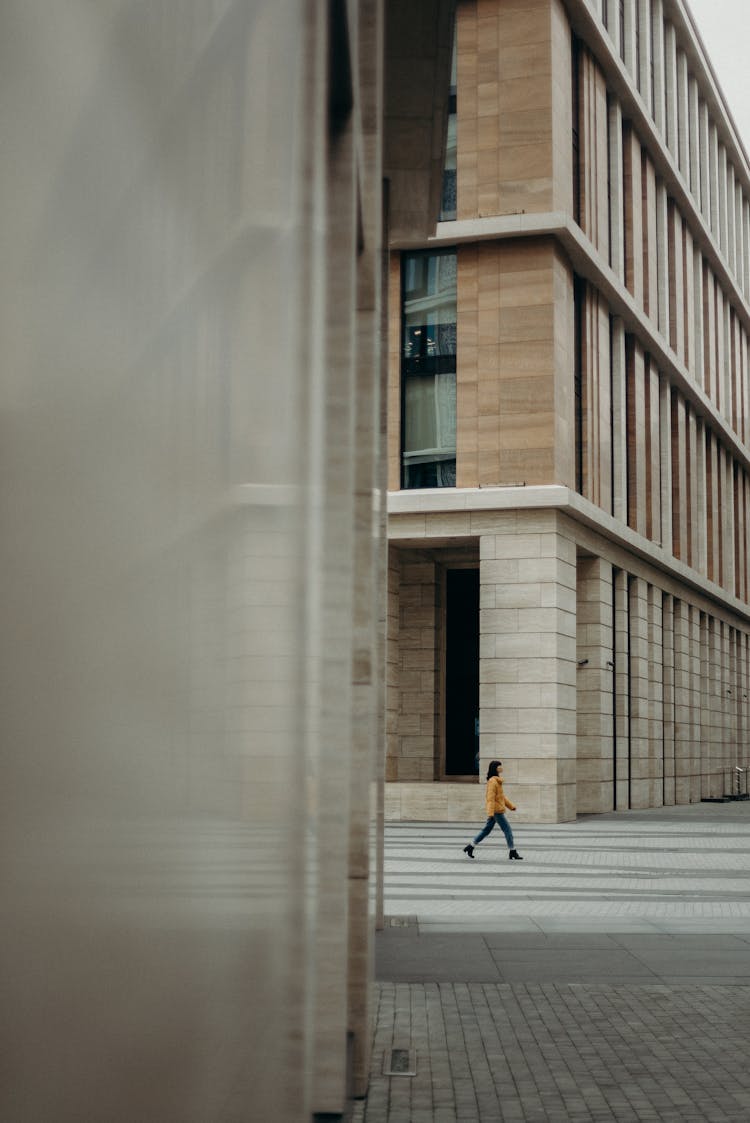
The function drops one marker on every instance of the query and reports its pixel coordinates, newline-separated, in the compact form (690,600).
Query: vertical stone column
(628,47)
(732,699)
(619,422)
(744,692)
(682,692)
(682,115)
(622,691)
(668,698)
(616,181)
(693,143)
(728,521)
(670,85)
(713,178)
(692,529)
(716,763)
(695,704)
(639,693)
(705,706)
(704,149)
(613,23)
(334,539)
(657,35)
(655,697)
(393,664)
(722,169)
(644,37)
(415,759)
(366,787)
(665,447)
(594,687)
(527,659)
(700,556)
(739,233)
(662,258)
(731,240)
(689,298)
(698,357)
(746,256)
(727,750)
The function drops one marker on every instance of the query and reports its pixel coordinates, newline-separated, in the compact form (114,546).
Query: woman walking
(497,802)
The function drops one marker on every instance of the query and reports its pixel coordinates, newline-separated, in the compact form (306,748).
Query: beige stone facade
(602,425)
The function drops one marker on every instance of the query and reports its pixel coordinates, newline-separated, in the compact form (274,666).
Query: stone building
(569,425)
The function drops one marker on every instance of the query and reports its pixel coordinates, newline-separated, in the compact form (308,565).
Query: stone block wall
(412,667)
(527,660)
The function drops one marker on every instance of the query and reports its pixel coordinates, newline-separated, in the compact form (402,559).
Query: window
(575,57)
(449,200)
(579,297)
(428,369)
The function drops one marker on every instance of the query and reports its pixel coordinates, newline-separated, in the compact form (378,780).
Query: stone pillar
(731,243)
(665,445)
(629,47)
(682,115)
(655,697)
(414,757)
(722,168)
(698,357)
(695,704)
(616,185)
(713,178)
(662,259)
(670,85)
(622,691)
(705,702)
(716,763)
(527,660)
(704,149)
(613,23)
(594,687)
(728,754)
(668,698)
(682,693)
(639,693)
(646,62)
(693,119)
(657,34)
(619,422)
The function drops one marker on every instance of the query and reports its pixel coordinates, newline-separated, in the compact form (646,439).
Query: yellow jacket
(496,799)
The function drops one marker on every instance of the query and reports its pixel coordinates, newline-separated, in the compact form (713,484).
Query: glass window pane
(428,369)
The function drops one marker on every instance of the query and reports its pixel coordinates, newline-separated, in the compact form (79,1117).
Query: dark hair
(492,770)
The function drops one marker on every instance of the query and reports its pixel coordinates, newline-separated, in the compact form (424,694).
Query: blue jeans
(504,825)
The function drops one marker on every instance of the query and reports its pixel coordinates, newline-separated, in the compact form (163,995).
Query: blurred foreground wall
(191,556)
(177,557)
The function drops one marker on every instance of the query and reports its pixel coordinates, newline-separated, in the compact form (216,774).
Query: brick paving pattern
(608,979)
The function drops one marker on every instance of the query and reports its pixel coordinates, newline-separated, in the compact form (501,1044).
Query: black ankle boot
(516,855)
(469,850)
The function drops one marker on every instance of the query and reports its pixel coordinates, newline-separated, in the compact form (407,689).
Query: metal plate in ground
(400,1062)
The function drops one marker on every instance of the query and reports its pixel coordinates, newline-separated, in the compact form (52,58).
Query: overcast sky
(724,27)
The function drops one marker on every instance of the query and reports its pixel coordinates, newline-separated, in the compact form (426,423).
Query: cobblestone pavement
(605,977)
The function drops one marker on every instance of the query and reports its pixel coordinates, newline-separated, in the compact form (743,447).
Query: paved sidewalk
(605,977)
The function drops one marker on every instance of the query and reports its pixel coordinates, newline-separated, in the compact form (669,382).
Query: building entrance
(462,672)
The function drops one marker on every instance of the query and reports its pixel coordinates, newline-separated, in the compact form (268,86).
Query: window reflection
(428,369)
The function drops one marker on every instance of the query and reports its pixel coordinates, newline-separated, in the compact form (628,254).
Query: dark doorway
(462,672)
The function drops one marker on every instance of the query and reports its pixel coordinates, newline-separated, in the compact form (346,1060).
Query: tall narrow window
(449,201)
(462,672)
(579,298)
(428,369)
(575,79)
